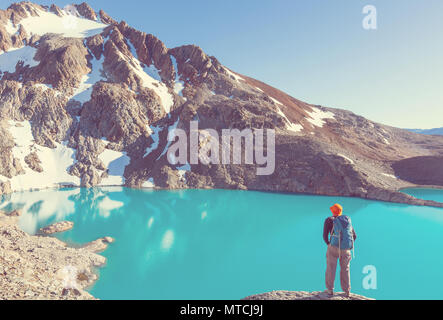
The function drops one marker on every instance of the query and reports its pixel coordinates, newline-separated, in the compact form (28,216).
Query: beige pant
(332,255)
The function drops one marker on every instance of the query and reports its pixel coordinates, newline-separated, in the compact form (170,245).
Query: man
(340,245)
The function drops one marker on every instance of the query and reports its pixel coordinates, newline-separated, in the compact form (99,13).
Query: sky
(314,50)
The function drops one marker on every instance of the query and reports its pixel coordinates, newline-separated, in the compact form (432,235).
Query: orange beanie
(336,210)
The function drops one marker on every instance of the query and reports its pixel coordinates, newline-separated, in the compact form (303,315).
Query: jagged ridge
(92,103)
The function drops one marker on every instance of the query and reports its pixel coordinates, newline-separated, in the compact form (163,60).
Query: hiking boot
(329,292)
(347,295)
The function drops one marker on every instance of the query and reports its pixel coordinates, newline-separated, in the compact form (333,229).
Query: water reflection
(40,208)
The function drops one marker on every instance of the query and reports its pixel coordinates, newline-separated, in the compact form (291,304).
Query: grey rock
(99,245)
(15,213)
(34,162)
(301,295)
(57,228)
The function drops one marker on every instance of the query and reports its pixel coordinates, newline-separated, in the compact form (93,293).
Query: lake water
(218,244)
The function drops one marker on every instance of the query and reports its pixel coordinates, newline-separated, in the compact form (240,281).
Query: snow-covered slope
(69,24)
(54,162)
(9,59)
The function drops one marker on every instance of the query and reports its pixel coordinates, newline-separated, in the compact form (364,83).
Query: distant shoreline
(422,187)
(399,190)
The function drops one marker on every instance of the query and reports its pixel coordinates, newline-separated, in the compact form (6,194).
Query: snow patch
(346,158)
(55,162)
(10,28)
(105,141)
(178,88)
(182,171)
(116,163)
(318,117)
(289,125)
(43,86)
(276,101)
(171,129)
(155,136)
(148,81)
(152,71)
(233,75)
(178,84)
(390,176)
(46,87)
(9,59)
(149,184)
(84,91)
(69,25)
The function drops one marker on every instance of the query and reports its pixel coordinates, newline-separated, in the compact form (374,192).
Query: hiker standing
(339,227)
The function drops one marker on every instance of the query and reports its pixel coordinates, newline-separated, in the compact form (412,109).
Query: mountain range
(89,101)
(435,131)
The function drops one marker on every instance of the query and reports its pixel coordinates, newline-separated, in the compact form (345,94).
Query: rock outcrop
(33,162)
(99,245)
(86,11)
(5,188)
(43,268)
(15,213)
(301,295)
(58,227)
(421,170)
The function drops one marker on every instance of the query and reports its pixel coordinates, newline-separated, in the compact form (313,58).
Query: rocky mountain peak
(105,18)
(101,97)
(86,11)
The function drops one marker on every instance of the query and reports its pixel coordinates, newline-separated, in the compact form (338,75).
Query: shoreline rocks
(41,267)
(15,213)
(99,245)
(302,295)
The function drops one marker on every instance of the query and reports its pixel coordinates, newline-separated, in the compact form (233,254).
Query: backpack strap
(339,236)
(332,230)
(353,243)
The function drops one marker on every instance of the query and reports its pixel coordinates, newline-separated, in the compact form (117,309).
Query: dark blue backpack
(342,235)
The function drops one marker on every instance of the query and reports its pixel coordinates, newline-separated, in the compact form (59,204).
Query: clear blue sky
(315,50)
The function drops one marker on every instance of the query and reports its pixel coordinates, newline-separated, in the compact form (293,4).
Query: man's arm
(327,230)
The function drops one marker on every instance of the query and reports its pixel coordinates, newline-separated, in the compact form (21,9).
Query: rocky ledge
(44,268)
(57,228)
(99,245)
(301,295)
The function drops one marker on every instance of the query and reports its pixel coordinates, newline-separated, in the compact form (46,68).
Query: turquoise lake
(219,244)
